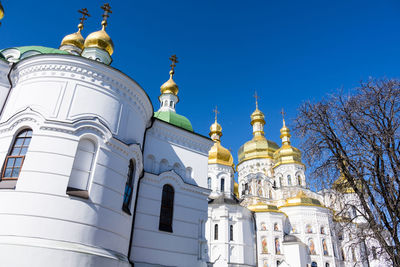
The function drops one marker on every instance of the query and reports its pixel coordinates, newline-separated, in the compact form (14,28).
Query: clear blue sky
(289,51)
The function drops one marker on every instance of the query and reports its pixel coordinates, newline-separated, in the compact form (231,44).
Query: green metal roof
(39,49)
(174,119)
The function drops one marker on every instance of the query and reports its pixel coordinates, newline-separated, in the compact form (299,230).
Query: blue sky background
(289,51)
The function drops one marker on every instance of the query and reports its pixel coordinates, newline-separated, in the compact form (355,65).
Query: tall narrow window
(78,183)
(222,184)
(129,188)
(231,232)
(216,232)
(16,155)
(167,209)
(289,180)
(209,182)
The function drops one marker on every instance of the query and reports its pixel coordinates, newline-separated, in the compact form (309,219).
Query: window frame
(130,181)
(10,156)
(165,221)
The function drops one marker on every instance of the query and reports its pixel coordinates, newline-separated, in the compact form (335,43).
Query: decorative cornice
(77,68)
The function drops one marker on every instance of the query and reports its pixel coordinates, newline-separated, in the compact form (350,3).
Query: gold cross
(107,10)
(85,13)
(283,116)
(216,112)
(256,97)
(174,60)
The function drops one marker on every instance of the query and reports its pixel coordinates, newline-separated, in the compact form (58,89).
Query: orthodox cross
(174,60)
(283,116)
(216,112)
(256,97)
(107,10)
(85,13)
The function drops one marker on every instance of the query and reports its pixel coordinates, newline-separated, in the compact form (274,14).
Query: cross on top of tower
(216,112)
(174,60)
(107,10)
(85,14)
(283,117)
(256,97)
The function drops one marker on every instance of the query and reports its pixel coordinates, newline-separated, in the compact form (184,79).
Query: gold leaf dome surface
(258,147)
(301,199)
(263,207)
(74,39)
(101,40)
(287,154)
(170,87)
(1,12)
(257,116)
(220,155)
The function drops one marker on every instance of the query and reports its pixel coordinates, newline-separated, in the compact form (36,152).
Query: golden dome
(74,39)
(218,154)
(302,199)
(170,87)
(259,146)
(1,11)
(257,116)
(101,40)
(287,153)
(263,207)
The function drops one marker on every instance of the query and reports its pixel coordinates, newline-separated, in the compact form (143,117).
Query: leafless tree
(356,135)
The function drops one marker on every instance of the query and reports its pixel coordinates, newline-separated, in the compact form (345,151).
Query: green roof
(40,49)
(174,119)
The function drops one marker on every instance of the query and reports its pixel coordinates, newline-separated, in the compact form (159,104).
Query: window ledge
(8,183)
(77,192)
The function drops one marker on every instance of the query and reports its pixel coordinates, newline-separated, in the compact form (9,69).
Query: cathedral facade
(92,176)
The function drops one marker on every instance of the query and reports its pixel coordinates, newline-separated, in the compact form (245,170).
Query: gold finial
(216,112)
(283,117)
(174,60)
(85,14)
(1,12)
(256,97)
(107,10)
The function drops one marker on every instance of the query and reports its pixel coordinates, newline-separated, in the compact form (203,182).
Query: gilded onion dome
(301,199)
(101,39)
(287,154)
(259,146)
(170,87)
(218,154)
(74,39)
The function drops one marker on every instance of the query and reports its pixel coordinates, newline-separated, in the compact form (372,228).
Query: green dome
(33,50)
(174,119)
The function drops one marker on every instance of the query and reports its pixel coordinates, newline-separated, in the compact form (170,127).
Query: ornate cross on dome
(256,97)
(85,14)
(174,60)
(216,112)
(107,10)
(283,117)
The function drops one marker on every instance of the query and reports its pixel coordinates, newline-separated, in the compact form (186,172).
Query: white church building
(93,175)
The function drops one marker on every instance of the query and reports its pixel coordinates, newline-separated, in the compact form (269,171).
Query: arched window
(277,246)
(314,264)
(129,188)
(16,155)
(289,179)
(164,165)
(222,185)
(325,247)
(299,179)
(216,232)
(209,182)
(231,232)
(322,230)
(280,182)
(78,183)
(276,228)
(167,209)
(311,247)
(170,104)
(327,264)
